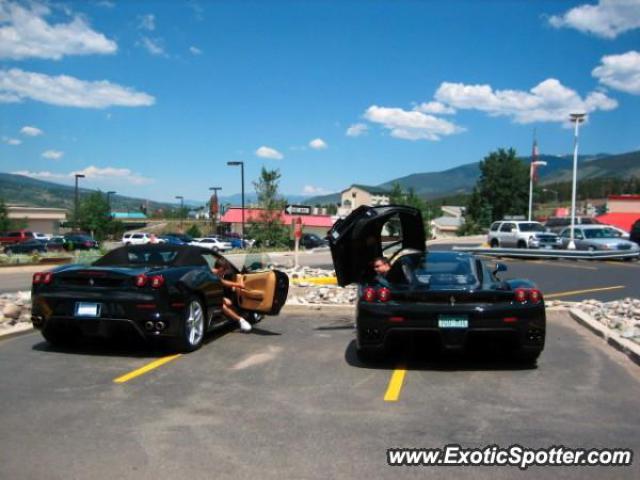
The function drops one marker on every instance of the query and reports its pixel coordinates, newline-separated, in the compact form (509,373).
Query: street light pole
(576,118)
(109,200)
(75,208)
(181,198)
(233,164)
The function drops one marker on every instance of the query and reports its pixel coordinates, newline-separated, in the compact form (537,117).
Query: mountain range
(461,180)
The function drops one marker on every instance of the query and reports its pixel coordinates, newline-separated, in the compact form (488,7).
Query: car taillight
(384,294)
(88,244)
(369,294)
(520,295)
(37,278)
(47,278)
(157,281)
(141,280)
(535,296)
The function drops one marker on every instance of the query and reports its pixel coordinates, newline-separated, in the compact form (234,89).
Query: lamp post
(75,208)
(241,164)
(181,198)
(576,118)
(109,193)
(212,213)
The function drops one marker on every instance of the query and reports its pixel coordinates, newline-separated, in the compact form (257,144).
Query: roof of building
(368,189)
(628,197)
(234,215)
(452,210)
(128,215)
(448,221)
(620,220)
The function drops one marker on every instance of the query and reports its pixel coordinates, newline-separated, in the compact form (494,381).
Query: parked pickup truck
(17,236)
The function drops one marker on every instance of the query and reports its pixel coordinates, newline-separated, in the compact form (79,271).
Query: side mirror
(500,267)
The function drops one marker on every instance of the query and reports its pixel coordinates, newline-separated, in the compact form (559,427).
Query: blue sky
(153,98)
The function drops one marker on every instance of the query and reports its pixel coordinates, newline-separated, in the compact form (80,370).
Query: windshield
(446,271)
(600,233)
(532,227)
(151,256)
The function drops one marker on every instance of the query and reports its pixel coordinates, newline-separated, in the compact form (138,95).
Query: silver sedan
(597,237)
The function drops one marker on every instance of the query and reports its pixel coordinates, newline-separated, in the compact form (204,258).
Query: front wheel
(192,334)
(494,243)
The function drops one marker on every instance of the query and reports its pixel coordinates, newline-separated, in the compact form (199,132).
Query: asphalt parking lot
(292,401)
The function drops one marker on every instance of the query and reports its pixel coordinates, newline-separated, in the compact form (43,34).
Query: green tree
(4,217)
(502,189)
(95,215)
(194,232)
(267,229)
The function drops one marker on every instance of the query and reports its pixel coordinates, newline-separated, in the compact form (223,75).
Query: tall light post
(576,118)
(214,212)
(241,164)
(75,208)
(181,198)
(109,193)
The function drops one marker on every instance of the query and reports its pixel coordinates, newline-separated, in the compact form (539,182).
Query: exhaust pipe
(160,326)
(148,325)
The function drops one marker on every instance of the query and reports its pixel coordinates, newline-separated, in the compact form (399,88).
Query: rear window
(139,257)
(531,227)
(137,235)
(600,233)
(446,271)
(494,226)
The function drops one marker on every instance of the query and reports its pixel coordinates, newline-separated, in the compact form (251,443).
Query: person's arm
(231,284)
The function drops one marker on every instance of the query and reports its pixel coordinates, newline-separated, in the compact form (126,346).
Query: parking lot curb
(628,347)
(16,333)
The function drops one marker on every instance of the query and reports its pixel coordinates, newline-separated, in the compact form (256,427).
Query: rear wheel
(526,357)
(253,317)
(494,243)
(522,244)
(192,334)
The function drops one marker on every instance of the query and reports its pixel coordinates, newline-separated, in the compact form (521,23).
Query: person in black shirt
(230,282)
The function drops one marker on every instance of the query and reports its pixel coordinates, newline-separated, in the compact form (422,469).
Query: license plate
(87,309)
(453,321)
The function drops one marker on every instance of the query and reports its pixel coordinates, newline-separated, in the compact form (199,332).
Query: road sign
(298,210)
(298,229)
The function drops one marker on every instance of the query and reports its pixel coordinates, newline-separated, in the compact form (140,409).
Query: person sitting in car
(386,275)
(230,282)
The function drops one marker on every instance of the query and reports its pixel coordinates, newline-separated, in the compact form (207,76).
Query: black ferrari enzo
(159,291)
(450,296)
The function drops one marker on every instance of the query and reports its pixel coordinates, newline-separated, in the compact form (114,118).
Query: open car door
(356,240)
(265,292)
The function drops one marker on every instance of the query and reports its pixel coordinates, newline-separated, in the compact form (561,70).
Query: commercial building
(358,195)
(318,224)
(38,219)
(622,211)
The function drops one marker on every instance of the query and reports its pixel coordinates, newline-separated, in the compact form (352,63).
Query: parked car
(557,224)
(450,296)
(55,244)
(237,242)
(136,238)
(311,240)
(43,237)
(28,246)
(634,236)
(159,291)
(17,236)
(182,237)
(76,241)
(170,240)
(597,237)
(212,243)
(521,234)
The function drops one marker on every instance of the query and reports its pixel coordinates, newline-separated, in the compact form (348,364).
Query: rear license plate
(87,309)
(453,321)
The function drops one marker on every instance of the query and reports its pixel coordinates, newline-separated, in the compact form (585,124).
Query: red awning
(620,220)
(234,215)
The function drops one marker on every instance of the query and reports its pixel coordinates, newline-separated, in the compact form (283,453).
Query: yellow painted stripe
(395,385)
(317,280)
(147,368)
(578,292)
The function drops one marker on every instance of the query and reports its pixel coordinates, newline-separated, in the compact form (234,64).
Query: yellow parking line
(147,368)
(395,385)
(577,292)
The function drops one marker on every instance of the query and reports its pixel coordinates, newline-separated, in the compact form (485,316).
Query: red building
(318,224)
(622,211)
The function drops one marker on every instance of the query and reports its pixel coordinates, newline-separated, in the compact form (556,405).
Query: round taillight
(37,278)
(47,278)
(369,294)
(520,295)
(384,294)
(157,281)
(535,296)
(141,280)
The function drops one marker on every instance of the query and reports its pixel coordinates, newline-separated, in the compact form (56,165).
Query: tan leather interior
(259,293)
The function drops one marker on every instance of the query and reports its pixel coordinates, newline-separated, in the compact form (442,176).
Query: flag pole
(531,167)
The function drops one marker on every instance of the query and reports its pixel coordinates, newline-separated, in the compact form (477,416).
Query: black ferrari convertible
(159,291)
(452,297)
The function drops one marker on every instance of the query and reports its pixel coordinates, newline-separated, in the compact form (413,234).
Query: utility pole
(576,118)
(241,164)
(75,208)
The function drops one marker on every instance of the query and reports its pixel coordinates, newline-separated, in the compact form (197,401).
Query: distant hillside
(37,193)
(432,185)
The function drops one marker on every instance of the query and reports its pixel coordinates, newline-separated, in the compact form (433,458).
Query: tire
(526,357)
(193,327)
(494,243)
(253,317)
(592,249)
(215,249)
(522,244)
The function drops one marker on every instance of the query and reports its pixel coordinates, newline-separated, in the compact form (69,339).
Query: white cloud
(147,22)
(318,144)
(25,33)
(435,108)
(312,190)
(153,46)
(93,174)
(53,154)
(11,141)
(268,152)
(357,129)
(105,4)
(621,72)
(549,101)
(411,125)
(607,19)
(31,131)
(195,50)
(67,91)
